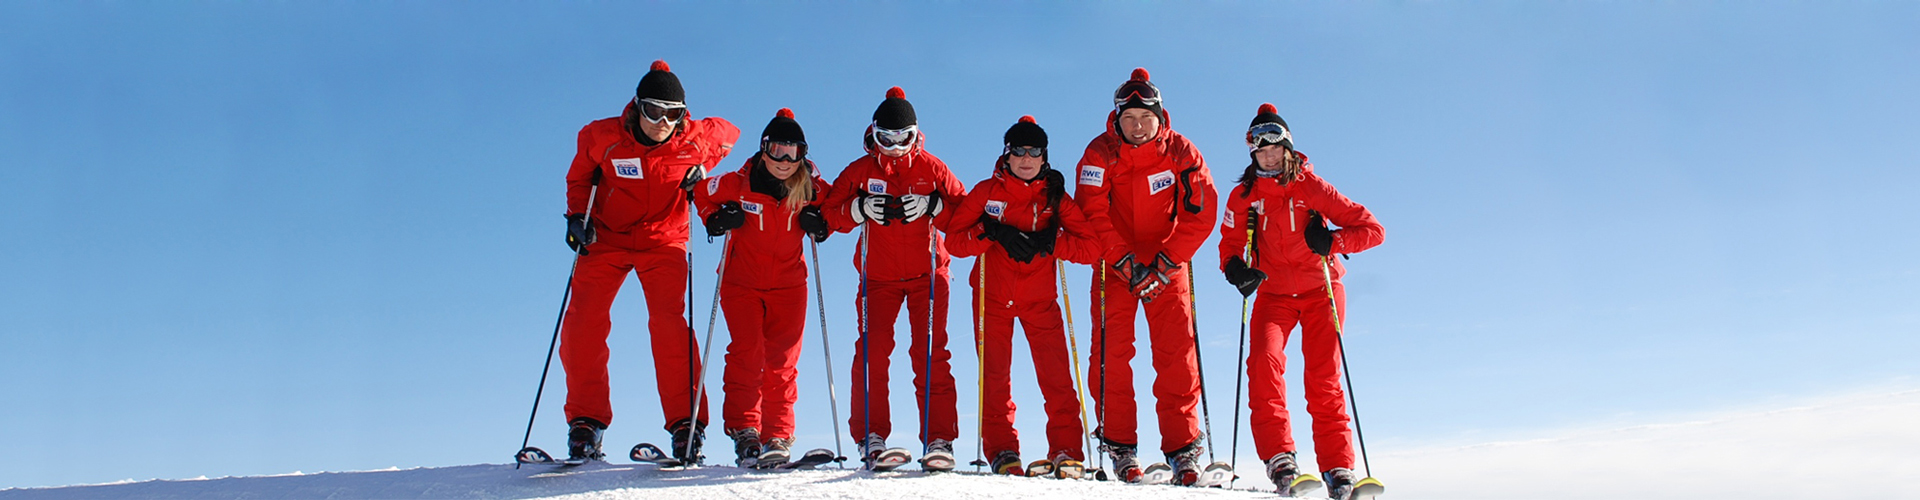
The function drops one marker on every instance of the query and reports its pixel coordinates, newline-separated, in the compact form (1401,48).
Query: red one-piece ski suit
(1295,293)
(1025,291)
(899,272)
(640,224)
(764,292)
(1156,197)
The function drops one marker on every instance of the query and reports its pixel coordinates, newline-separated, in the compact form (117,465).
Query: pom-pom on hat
(895,112)
(783,128)
(1139,92)
(1026,133)
(661,84)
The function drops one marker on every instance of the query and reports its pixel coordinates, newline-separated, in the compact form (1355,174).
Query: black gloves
(695,174)
(579,233)
(1015,242)
(814,223)
(1319,239)
(728,217)
(1242,277)
(1042,240)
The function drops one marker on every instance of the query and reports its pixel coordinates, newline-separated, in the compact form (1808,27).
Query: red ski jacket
(900,248)
(1023,205)
(640,205)
(767,251)
(1280,247)
(1155,197)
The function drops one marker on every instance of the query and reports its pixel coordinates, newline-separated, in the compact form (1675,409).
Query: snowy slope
(620,481)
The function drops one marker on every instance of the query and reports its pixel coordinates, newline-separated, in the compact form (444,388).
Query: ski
(890,459)
(1040,468)
(1158,473)
(650,454)
(1069,469)
(1301,485)
(1367,489)
(937,461)
(535,456)
(807,461)
(1215,475)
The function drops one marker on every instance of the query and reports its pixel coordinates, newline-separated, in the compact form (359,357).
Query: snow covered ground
(1859,445)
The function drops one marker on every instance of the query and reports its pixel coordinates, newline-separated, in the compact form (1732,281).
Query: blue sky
(253,239)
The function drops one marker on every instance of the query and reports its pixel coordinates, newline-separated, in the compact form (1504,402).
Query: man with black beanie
(639,169)
(898,193)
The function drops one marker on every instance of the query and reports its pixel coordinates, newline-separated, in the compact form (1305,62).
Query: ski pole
(826,348)
(933,285)
(866,357)
(1339,331)
(1073,341)
(980,353)
(1193,309)
(586,221)
(1100,399)
(713,314)
(1246,255)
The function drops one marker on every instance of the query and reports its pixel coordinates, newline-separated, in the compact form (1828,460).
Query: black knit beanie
(661,84)
(895,113)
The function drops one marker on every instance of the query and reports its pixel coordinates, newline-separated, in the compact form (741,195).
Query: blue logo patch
(627,168)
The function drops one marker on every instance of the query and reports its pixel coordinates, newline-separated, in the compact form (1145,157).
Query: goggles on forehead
(1269,133)
(1034,151)
(657,111)
(895,140)
(773,151)
(1144,92)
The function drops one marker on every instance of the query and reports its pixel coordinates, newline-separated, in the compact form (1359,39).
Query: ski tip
(532,455)
(1368,488)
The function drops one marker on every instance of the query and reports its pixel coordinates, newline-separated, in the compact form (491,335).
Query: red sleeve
(1078,242)
(821,188)
(951,190)
(714,191)
(1233,237)
(1090,185)
(580,174)
(718,136)
(1358,229)
(1191,229)
(838,206)
(962,224)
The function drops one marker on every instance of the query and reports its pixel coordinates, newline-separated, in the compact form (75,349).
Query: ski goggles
(784,151)
(1266,134)
(657,111)
(1144,92)
(1034,151)
(895,140)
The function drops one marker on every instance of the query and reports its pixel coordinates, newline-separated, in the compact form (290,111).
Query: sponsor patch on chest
(876,186)
(997,209)
(1092,176)
(751,207)
(628,168)
(713,185)
(1159,182)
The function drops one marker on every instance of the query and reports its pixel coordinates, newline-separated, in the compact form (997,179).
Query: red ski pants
(1046,337)
(766,326)
(875,346)
(1176,382)
(583,335)
(1274,315)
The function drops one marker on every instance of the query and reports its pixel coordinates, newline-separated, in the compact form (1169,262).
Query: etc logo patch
(627,168)
(1159,182)
(997,209)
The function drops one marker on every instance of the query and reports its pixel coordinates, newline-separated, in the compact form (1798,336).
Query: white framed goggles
(895,139)
(657,111)
(797,152)
(1268,133)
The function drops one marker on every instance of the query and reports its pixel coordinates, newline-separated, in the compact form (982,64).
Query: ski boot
(939,456)
(583,440)
(746,447)
(1065,467)
(1286,476)
(1126,463)
(1006,463)
(687,438)
(1339,483)
(775,453)
(1186,463)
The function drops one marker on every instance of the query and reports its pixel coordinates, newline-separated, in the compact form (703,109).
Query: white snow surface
(603,481)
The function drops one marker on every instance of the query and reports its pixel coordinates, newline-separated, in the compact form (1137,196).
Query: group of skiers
(1143,202)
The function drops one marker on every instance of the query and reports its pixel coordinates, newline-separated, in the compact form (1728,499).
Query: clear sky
(251,239)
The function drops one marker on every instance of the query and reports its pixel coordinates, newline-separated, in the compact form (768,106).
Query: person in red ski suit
(765,209)
(1150,187)
(638,169)
(1018,222)
(898,192)
(1283,203)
